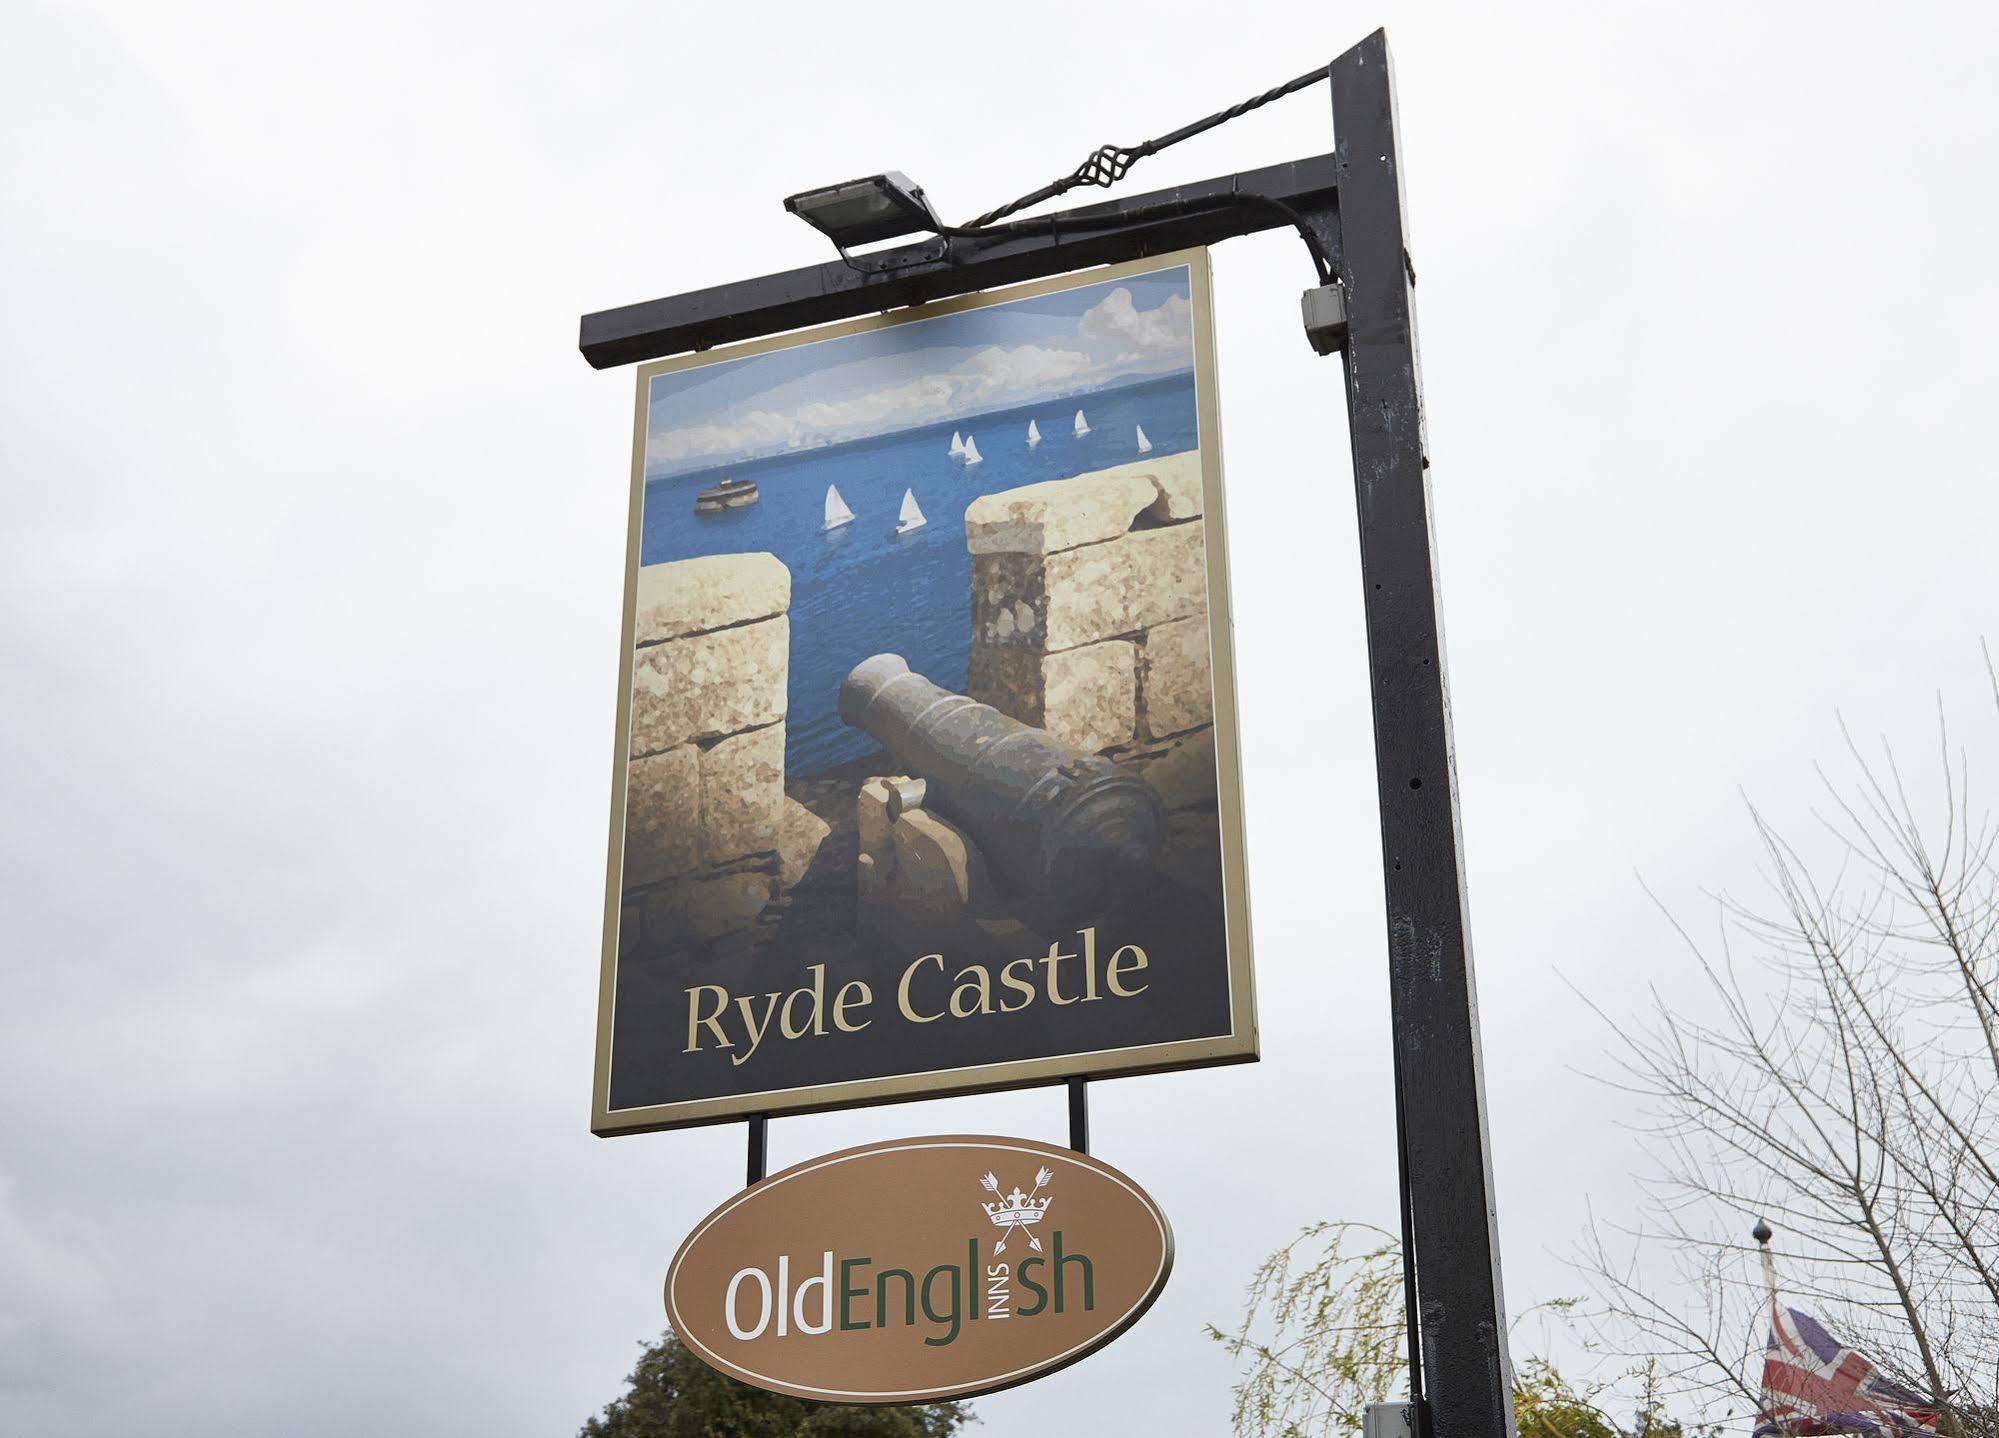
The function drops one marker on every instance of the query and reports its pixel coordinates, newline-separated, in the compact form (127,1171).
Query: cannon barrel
(1062,825)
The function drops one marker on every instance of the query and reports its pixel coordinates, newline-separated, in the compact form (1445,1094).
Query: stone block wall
(705,806)
(1090,619)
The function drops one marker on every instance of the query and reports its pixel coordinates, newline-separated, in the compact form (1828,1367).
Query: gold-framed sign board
(925,775)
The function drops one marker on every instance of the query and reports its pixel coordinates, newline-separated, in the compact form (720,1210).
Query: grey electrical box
(1388,1420)
(1326,327)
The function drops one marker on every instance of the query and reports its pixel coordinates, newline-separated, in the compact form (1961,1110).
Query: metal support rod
(759,1150)
(1467,1378)
(1079,1114)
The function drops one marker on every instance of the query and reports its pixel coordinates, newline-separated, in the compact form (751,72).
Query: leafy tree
(1322,1336)
(1321,1332)
(673,1394)
(1547,1405)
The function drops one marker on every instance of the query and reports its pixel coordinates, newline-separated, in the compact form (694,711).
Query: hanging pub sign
(925,776)
(918,1270)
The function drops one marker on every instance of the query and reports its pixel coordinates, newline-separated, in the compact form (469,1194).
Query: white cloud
(1165,332)
(1113,339)
(992,378)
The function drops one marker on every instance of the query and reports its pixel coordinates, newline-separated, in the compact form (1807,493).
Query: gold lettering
(840,1002)
(981,987)
(1090,965)
(757,1030)
(817,994)
(1023,987)
(1118,968)
(1055,957)
(902,990)
(695,1018)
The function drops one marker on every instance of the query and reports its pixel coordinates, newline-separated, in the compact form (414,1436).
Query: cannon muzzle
(1066,827)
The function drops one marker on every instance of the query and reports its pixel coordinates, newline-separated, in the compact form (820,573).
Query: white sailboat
(1082,425)
(1033,435)
(911,517)
(1144,444)
(837,512)
(972,455)
(957,445)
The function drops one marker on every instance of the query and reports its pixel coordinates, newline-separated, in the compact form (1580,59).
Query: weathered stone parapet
(1107,590)
(704,802)
(742,794)
(1086,697)
(717,591)
(1089,603)
(1058,513)
(1175,687)
(707,686)
(662,816)
(1087,509)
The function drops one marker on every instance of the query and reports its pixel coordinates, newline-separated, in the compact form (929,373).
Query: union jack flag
(1814,1384)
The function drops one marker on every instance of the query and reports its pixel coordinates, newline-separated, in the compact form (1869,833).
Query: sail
(910,513)
(972,455)
(837,512)
(1144,444)
(1033,435)
(1082,425)
(957,445)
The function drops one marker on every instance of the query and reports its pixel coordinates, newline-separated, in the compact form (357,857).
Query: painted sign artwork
(919,1269)
(925,775)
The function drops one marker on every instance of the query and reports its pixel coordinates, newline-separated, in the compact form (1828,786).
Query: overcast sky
(311,522)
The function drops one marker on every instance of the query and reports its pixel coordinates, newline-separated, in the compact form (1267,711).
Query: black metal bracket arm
(1131,229)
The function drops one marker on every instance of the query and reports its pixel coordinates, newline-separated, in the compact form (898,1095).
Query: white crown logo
(1017,1211)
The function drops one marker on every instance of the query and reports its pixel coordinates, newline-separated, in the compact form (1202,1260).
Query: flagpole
(1761,1233)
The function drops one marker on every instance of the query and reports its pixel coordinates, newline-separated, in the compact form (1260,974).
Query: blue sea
(862,589)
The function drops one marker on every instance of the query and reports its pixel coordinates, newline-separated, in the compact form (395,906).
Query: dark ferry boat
(729,494)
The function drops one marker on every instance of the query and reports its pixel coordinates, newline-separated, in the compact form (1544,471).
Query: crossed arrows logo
(1017,1211)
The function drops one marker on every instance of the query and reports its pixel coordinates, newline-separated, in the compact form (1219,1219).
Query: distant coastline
(1034,408)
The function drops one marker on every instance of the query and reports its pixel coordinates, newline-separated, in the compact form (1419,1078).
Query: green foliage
(1322,1337)
(1321,1332)
(673,1394)
(1546,1405)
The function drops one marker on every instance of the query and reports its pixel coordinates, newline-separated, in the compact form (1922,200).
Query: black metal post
(1467,1378)
(1079,1114)
(759,1150)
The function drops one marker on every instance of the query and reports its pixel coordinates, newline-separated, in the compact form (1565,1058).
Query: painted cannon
(1068,828)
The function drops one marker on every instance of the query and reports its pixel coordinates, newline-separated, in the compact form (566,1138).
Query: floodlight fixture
(859,212)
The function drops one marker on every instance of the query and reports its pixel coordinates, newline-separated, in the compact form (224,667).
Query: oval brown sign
(919,1269)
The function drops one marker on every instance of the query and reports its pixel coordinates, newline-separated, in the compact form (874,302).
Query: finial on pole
(1761,1233)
